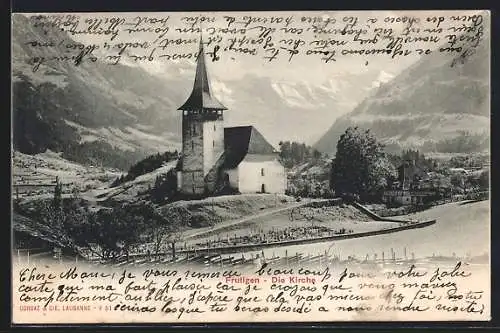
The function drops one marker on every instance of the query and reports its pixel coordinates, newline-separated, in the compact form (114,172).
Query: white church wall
(253,175)
(179,180)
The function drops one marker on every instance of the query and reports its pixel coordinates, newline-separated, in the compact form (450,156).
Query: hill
(431,106)
(94,113)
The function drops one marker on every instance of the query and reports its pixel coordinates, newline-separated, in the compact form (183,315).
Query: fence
(207,261)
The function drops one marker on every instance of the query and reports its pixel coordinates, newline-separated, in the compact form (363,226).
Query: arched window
(262,171)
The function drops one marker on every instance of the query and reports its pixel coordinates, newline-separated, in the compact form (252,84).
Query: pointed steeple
(201,97)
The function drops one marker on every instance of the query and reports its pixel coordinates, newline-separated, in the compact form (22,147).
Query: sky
(302,68)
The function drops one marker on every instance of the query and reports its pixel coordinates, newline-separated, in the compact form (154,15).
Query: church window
(192,145)
(213,143)
(214,127)
(262,172)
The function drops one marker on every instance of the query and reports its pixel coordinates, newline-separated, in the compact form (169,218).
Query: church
(217,159)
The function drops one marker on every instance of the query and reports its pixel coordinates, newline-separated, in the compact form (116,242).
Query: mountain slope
(267,103)
(431,106)
(114,113)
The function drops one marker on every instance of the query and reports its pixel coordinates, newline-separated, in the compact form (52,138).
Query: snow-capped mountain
(121,112)
(432,106)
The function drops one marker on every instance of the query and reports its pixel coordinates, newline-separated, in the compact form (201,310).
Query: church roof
(201,97)
(242,140)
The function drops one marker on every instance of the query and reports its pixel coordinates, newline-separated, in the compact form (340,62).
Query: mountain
(114,115)
(268,103)
(94,112)
(431,105)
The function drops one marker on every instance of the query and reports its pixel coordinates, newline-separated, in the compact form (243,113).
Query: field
(295,219)
(35,175)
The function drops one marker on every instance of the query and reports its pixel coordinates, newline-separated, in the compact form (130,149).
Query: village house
(410,189)
(215,158)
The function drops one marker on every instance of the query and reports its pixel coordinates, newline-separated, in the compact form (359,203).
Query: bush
(146,165)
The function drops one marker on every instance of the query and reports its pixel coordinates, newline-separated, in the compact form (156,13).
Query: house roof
(201,96)
(242,140)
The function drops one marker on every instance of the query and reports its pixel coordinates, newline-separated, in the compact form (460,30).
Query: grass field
(334,218)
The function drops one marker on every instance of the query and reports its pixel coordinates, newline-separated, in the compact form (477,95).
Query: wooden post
(286,257)
(18,256)
(28,256)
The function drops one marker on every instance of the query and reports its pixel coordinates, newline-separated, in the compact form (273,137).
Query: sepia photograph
(250,166)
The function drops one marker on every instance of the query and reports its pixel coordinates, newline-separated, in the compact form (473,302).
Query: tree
(165,186)
(360,167)
(316,154)
(458,181)
(57,199)
(110,233)
(52,212)
(295,153)
(484,181)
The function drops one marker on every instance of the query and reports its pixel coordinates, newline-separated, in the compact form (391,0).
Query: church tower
(202,134)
